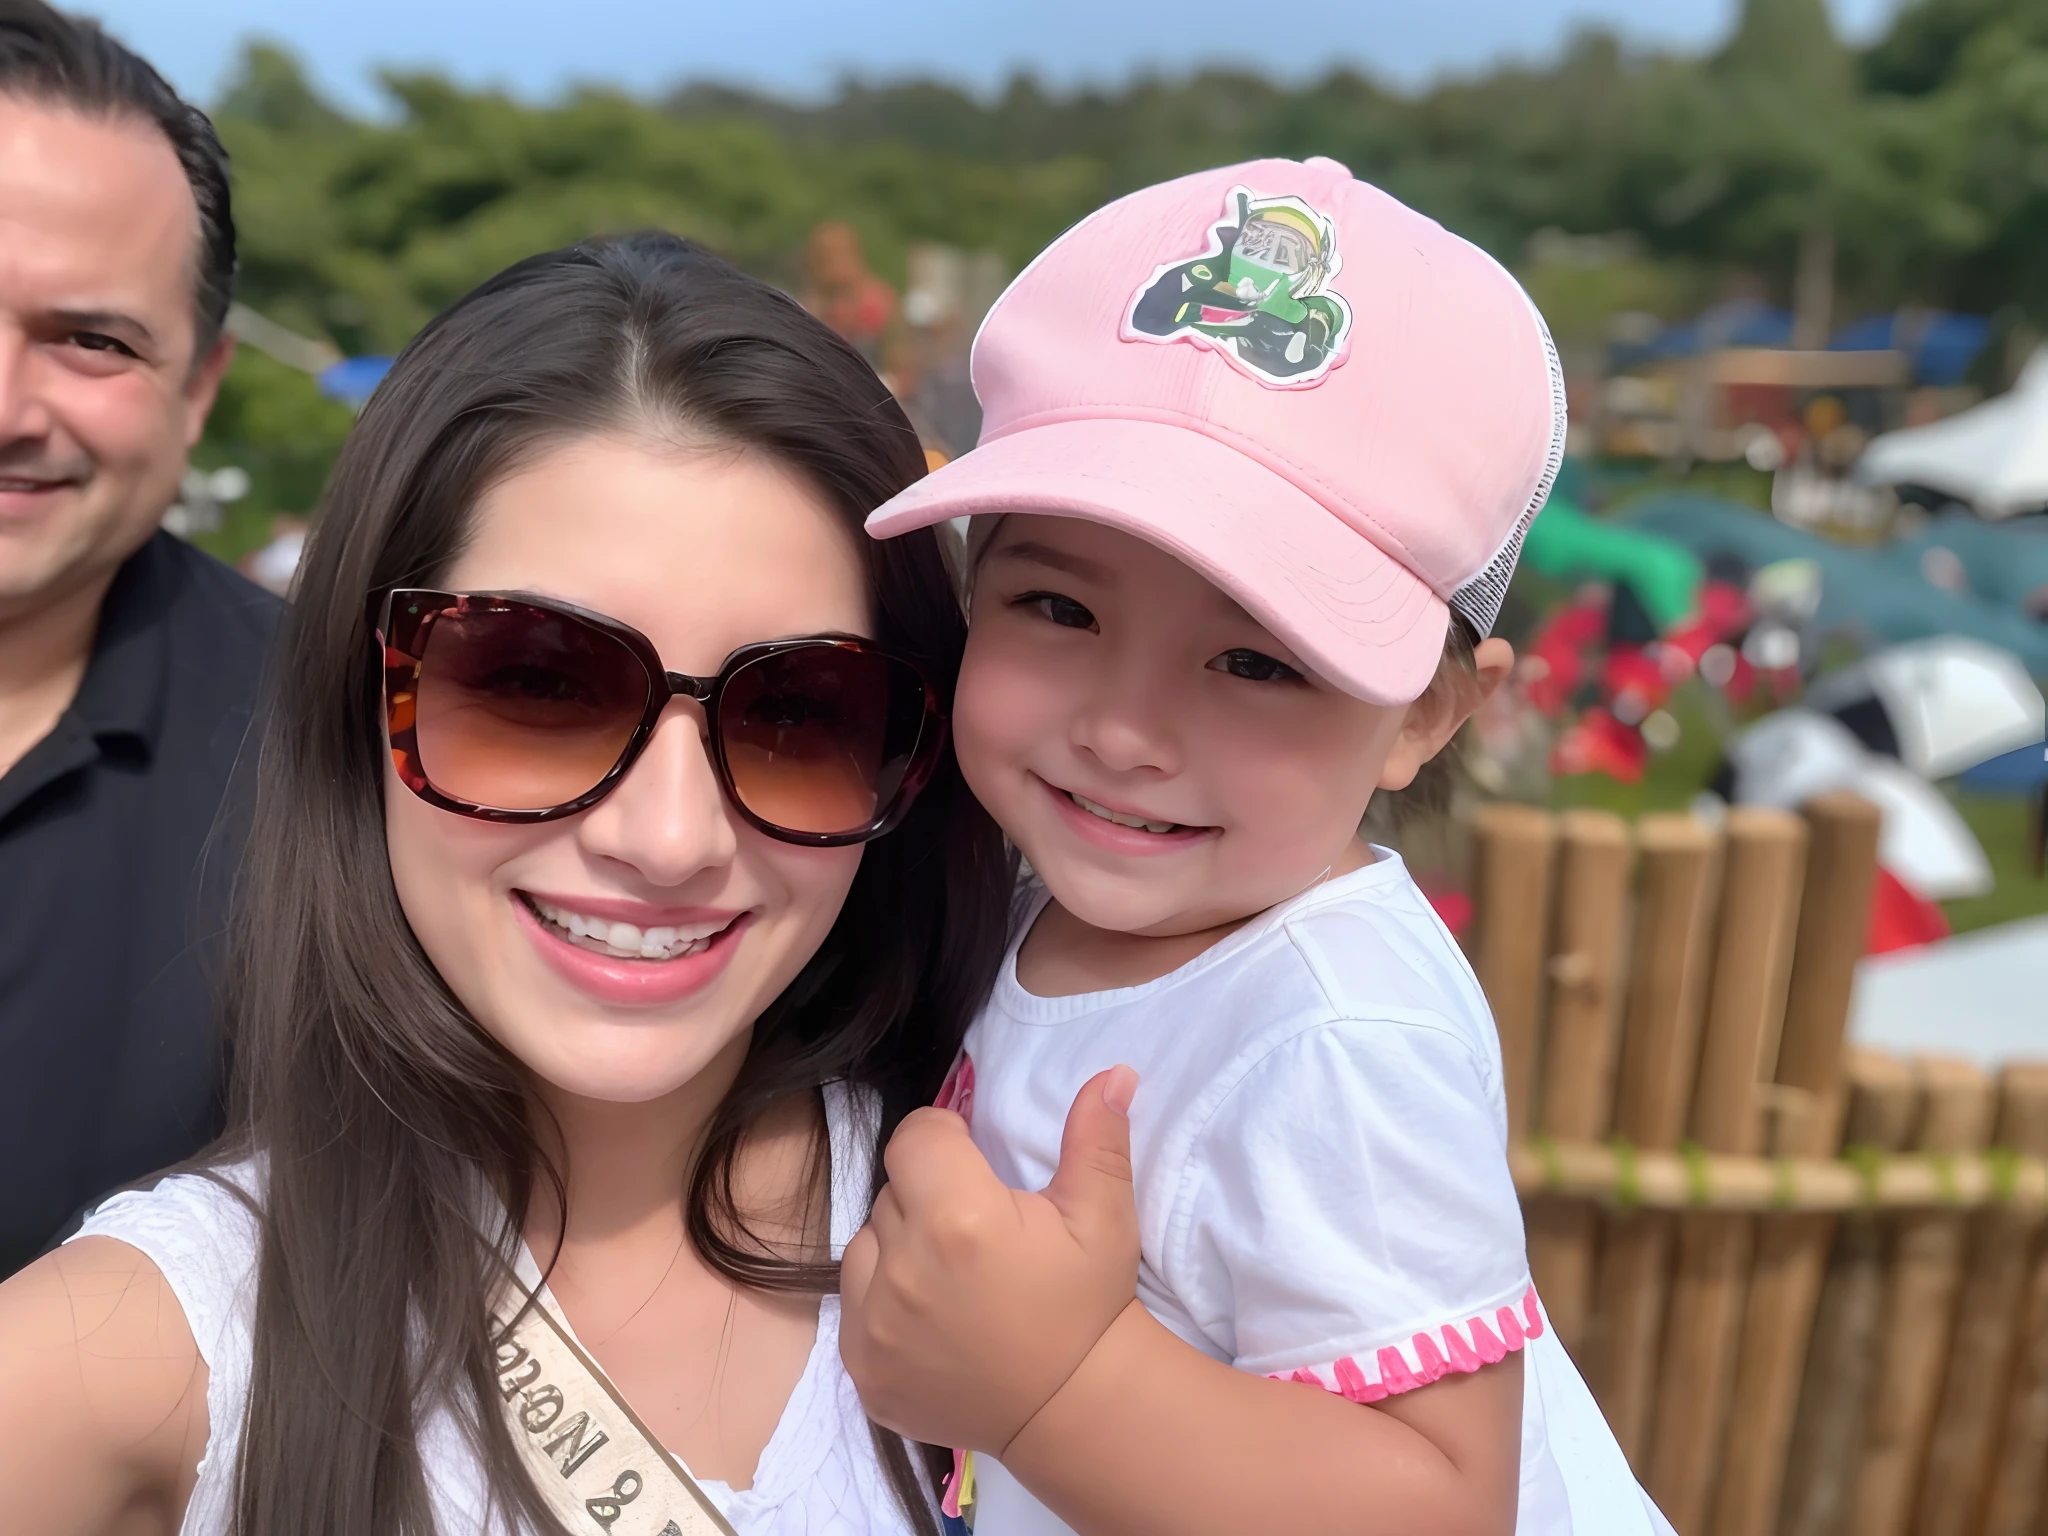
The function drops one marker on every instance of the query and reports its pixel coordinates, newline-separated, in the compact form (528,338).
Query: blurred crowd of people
(918,343)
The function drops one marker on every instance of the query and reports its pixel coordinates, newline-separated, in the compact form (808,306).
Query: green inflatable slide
(1567,544)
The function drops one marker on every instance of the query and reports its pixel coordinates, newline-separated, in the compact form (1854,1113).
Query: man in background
(841,291)
(128,661)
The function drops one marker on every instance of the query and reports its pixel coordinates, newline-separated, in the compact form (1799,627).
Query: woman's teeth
(623,940)
(1121,818)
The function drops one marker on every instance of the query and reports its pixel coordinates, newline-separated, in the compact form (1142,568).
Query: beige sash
(600,1469)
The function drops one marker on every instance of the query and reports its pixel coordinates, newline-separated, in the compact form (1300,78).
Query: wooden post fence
(1577,1097)
(1738,1047)
(1792,1252)
(1677,863)
(1808,1285)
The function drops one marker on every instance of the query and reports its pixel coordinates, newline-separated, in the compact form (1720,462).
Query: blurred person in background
(841,291)
(128,660)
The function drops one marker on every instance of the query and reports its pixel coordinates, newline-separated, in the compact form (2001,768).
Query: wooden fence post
(2013,1504)
(1792,1249)
(1765,863)
(1919,1314)
(1676,870)
(1834,928)
(1841,1361)
(1513,852)
(1957,1478)
(1580,1043)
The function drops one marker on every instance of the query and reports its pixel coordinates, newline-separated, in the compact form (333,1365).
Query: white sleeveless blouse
(818,1475)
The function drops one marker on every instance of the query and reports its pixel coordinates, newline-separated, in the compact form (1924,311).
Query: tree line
(1923,157)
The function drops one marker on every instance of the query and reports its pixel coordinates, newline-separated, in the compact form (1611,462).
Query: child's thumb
(1092,1184)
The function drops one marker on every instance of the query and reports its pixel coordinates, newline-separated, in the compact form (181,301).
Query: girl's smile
(1123,831)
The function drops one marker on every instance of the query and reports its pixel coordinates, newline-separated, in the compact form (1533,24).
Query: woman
(568,984)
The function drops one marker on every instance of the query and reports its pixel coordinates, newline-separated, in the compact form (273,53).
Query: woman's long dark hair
(376,1102)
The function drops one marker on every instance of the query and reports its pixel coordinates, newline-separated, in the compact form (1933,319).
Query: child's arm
(1151,1435)
(981,1316)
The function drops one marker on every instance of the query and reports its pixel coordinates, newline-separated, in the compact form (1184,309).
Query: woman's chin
(591,1061)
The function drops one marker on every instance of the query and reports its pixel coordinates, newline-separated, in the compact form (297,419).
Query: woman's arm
(102,1396)
(1150,1434)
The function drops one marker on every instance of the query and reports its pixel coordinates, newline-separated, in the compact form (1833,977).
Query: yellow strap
(966,1480)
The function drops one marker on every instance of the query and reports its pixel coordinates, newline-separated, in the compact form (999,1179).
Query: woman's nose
(668,819)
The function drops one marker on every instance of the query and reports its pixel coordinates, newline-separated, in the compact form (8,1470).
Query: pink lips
(633,983)
(1112,837)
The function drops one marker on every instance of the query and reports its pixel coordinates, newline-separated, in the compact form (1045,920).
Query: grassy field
(2000,822)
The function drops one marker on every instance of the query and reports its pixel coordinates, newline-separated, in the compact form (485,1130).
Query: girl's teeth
(1119,817)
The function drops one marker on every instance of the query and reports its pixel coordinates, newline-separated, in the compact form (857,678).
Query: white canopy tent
(1953,702)
(1787,758)
(1993,456)
(1977,995)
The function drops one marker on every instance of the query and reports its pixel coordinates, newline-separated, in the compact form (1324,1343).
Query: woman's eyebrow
(1056,559)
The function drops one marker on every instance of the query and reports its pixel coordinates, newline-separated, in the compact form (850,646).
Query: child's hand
(967,1305)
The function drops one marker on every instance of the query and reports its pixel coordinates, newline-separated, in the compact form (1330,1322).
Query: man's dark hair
(47,56)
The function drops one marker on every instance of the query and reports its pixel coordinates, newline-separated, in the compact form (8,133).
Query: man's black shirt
(116,855)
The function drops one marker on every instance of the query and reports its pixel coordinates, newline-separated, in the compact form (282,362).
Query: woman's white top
(1319,1145)
(818,1476)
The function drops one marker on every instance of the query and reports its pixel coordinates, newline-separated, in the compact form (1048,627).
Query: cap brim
(1353,613)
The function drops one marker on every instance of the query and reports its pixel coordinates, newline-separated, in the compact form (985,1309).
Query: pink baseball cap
(1329,406)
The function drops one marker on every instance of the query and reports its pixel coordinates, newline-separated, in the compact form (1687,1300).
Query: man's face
(100,394)
(835,257)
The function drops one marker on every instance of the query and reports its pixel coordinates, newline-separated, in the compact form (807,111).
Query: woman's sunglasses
(513,708)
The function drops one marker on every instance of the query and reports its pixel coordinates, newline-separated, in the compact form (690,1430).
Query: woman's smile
(604,970)
(629,931)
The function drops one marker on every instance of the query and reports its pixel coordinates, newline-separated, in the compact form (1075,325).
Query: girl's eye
(1063,611)
(1254,667)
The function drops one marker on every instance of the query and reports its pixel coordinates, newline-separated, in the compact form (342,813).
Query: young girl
(1261,447)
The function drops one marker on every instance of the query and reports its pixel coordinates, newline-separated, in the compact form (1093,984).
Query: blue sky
(801,47)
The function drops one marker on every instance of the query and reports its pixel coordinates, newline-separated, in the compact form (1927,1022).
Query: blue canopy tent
(1941,346)
(1881,594)
(2022,771)
(353,379)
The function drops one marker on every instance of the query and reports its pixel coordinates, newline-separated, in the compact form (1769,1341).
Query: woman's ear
(1448,702)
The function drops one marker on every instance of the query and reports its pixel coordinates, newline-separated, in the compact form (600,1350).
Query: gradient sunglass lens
(520,708)
(819,739)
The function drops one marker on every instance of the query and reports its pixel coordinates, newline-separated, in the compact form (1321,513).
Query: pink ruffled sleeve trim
(1404,1367)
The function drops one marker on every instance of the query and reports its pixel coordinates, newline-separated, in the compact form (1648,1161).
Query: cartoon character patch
(1259,295)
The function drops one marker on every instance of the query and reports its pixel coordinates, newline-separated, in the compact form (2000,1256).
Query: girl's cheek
(1298,796)
(1003,702)
(988,743)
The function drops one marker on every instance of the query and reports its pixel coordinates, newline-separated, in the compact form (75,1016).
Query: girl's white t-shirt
(1319,1144)
(819,1474)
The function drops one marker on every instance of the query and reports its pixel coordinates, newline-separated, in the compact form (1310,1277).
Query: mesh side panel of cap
(1479,600)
